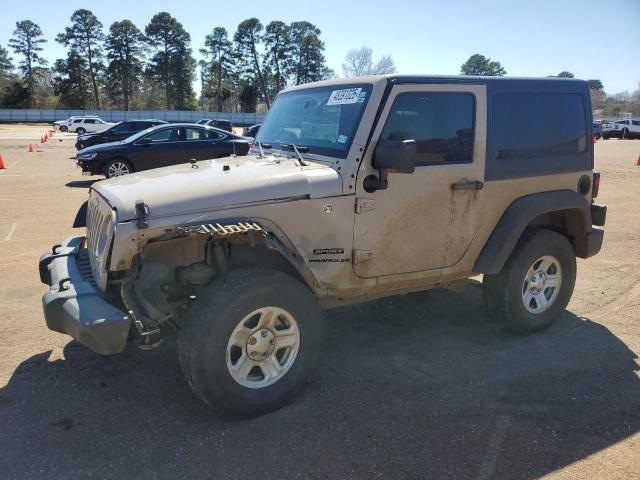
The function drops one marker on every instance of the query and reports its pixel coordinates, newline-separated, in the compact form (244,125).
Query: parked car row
(160,146)
(626,128)
(115,149)
(116,132)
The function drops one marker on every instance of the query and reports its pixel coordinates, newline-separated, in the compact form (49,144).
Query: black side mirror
(144,141)
(397,156)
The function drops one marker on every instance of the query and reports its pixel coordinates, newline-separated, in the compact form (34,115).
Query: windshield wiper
(260,145)
(295,148)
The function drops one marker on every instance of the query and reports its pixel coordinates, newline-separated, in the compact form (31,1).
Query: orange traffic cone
(45,138)
(30,148)
(50,133)
(2,167)
(638,162)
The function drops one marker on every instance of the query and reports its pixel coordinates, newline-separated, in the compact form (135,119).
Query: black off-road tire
(503,291)
(210,321)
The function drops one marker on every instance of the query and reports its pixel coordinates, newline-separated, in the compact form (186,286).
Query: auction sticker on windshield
(344,97)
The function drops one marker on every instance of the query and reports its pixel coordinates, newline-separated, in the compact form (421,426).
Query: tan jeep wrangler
(354,189)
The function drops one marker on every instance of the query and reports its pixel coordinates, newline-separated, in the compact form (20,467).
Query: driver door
(424,221)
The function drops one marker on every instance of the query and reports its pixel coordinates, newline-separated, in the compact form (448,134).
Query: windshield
(322,119)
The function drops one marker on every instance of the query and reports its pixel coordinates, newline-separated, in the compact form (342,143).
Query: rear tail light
(596,185)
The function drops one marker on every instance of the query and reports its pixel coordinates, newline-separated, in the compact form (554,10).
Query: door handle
(472,185)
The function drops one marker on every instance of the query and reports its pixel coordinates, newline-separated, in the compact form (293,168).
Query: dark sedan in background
(251,131)
(221,124)
(119,131)
(160,146)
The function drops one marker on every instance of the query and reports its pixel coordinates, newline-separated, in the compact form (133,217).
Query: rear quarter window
(537,133)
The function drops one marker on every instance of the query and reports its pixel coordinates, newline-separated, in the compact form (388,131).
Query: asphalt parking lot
(418,386)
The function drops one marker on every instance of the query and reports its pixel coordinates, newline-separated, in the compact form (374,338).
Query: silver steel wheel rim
(263,347)
(117,169)
(542,284)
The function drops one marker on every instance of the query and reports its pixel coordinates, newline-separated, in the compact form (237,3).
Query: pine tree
(125,54)
(84,37)
(27,41)
(172,66)
(217,67)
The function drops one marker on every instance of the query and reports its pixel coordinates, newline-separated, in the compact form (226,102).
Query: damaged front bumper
(75,306)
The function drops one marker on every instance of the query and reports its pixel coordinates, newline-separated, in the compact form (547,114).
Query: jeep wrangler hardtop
(354,189)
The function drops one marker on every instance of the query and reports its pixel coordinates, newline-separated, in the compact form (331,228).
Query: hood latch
(142,212)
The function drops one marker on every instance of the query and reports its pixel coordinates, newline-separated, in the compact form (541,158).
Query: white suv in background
(87,124)
(63,125)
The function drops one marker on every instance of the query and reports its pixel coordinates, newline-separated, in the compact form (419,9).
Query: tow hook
(146,341)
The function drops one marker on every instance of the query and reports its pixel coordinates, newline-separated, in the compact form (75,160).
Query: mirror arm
(372,183)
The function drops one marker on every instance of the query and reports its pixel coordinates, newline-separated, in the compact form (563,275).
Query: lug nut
(252,341)
(263,333)
(253,355)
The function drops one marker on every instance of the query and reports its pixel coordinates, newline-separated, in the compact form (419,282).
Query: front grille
(98,221)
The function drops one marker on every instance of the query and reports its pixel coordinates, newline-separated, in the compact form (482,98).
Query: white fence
(33,115)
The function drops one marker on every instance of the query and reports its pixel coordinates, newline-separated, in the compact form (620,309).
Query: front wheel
(536,283)
(250,341)
(81,131)
(117,168)
(64,128)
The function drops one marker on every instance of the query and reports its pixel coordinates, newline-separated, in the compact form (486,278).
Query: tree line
(154,69)
(127,68)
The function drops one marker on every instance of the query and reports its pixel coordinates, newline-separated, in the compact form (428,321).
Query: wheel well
(236,251)
(174,268)
(564,211)
(242,256)
(569,222)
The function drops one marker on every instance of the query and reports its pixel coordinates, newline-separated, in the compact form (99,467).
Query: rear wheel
(117,168)
(81,131)
(251,341)
(535,285)
(64,128)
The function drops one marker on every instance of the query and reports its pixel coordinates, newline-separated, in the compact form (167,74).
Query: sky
(592,39)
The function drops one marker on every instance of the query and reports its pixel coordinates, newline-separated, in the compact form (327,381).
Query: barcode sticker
(344,97)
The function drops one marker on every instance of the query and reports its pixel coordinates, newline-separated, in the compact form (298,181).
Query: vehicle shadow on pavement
(417,386)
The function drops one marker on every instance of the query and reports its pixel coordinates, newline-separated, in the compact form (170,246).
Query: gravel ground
(417,386)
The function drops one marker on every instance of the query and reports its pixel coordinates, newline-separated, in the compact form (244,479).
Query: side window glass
(165,135)
(90,121)
(441,124)
(194,134)
(537,125)
(213,135)
(635,122)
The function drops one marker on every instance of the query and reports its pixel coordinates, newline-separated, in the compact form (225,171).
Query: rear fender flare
(519,215)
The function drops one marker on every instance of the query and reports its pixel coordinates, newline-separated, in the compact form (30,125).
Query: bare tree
(359,61)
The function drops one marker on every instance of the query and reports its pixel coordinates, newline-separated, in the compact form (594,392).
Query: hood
(217,184)
(86,136)
(99,147)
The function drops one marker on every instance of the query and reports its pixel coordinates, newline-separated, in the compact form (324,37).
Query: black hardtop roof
(487,80)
